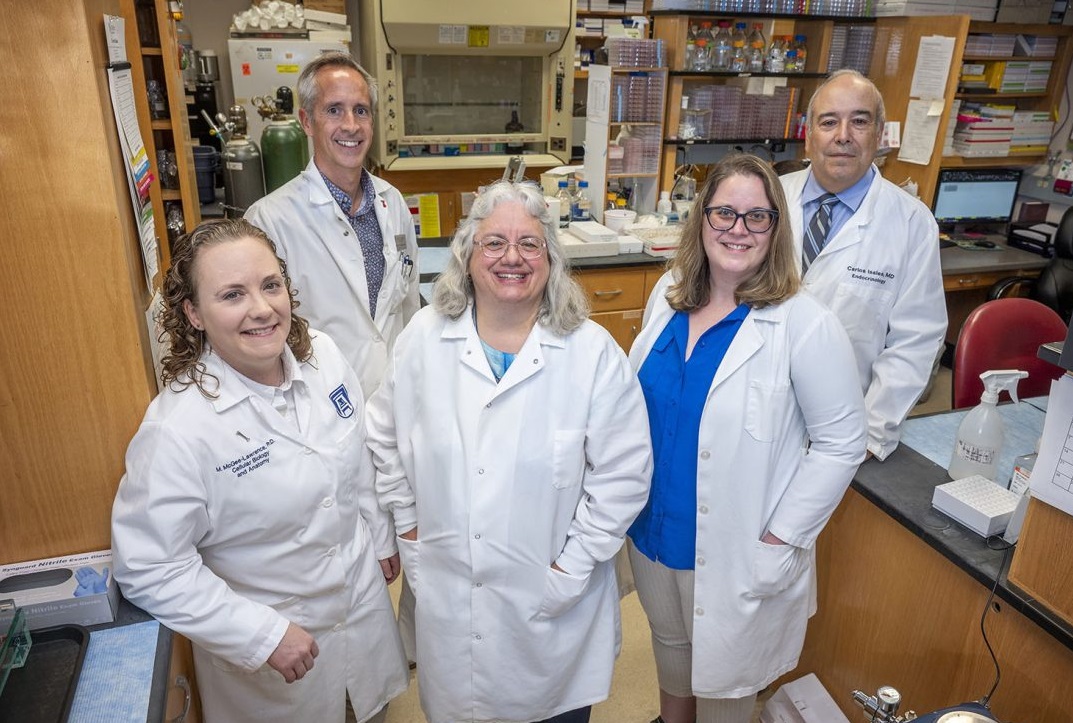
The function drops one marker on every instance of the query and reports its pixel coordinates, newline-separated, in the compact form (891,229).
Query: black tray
(42,690)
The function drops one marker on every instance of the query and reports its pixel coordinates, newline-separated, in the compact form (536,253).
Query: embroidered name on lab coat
(876,277)
(248,462)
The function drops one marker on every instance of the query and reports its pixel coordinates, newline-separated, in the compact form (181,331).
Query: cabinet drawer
(613,289)
(981,280)
(624,326)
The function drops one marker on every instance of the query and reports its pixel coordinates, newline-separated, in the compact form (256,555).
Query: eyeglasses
(495,247)
(757,220)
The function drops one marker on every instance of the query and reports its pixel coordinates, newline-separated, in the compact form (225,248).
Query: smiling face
(242,304)
(736,254)
(511,280)
(843,134)
(341,124)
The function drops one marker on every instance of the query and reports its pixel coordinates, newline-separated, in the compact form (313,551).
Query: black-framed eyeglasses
(495,247)
(757,220)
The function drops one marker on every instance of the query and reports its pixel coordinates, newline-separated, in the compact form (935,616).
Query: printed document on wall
(921,130)
(1052,476)
(934,56)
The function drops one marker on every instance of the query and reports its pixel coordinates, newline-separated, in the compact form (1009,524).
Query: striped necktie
(818,227)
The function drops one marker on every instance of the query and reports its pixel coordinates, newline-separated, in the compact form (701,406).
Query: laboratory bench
(969,273)
(135,671)
(902,588)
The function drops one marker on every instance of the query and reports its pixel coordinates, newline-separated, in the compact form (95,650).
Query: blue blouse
(676,392)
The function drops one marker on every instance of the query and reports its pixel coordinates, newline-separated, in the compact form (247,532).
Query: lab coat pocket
(408,555)
(561,593)
(568,458)
(862,311)
(775,568)
(765,406)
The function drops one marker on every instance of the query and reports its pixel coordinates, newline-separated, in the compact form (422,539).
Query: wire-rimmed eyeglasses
(757,220)
(495,247)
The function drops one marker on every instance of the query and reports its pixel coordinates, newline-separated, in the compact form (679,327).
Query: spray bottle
(980,435)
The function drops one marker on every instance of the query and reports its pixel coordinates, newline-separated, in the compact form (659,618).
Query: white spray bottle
(980,435)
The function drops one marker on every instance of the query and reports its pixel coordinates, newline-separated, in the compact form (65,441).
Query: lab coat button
(700,562)
(480,471)
(337,627)
(699,612)
(346,233)
(478,584)
(328,502)
(331,552)
(705,454)
(307,450)
(476,637)
(477,536)
(704,509)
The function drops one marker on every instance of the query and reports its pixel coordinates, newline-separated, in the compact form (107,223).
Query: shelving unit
(673,26)
(605,123)
(149,30)
(894,58)
(591,42)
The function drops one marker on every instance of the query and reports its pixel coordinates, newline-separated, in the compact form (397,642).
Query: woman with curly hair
(246,519)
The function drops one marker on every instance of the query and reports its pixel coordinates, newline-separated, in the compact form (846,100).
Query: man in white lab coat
(870,252)
(346,235)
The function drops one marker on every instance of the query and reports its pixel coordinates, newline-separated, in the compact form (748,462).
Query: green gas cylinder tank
(283,152)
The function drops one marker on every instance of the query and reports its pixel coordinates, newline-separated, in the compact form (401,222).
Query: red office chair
(1005,334)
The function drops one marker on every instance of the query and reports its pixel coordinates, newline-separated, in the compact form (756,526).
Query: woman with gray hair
(512,449)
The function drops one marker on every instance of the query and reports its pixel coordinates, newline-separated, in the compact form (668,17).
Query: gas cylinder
(244,181)
(285,104)
(283,149)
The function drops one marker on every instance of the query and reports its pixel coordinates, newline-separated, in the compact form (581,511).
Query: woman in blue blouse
(758,426)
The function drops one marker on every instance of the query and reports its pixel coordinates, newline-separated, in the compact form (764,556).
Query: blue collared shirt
(367,229)
(848,201)
(676,392)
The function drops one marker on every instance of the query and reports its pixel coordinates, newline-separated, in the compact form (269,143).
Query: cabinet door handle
(182,683)
(612,292)
(970,280)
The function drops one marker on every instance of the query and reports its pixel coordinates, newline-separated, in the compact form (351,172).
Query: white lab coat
(882,278)
(552,464)
(787,378)
(229,524)
(326,266)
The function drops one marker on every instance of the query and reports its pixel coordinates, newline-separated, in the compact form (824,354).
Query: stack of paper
(326,26)
(983,130)
(1031,131)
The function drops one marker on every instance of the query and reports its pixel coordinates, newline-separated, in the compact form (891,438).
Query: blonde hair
(563,308)
(182,363)
(777,278)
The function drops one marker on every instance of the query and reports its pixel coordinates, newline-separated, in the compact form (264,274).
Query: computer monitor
(969,198)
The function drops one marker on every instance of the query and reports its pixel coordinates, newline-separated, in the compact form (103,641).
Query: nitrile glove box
(74,589)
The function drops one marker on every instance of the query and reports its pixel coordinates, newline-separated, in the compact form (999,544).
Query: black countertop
(902,486)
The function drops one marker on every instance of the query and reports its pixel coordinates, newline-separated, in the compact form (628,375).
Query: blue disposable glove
(90,582)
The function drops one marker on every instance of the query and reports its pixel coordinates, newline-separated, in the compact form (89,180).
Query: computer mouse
(984,244)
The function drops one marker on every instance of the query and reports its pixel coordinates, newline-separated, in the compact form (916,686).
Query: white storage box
(592,231)
(804,700)
(576,248)
(75,589)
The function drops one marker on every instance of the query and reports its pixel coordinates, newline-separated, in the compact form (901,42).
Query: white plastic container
(664,205)
(981,432)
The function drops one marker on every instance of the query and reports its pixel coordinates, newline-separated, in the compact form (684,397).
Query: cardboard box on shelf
(74,589)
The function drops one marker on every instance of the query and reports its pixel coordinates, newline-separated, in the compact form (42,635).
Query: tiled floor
(634,696)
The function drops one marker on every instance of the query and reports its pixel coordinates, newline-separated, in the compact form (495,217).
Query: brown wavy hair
(182,363)
(776,280)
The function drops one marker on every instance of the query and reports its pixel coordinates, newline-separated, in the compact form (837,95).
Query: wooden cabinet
(75,371)
(766,116)
(895,56)
(617,298)
(153,49)
(183,704)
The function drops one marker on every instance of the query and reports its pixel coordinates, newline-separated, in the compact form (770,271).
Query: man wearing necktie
(870,251)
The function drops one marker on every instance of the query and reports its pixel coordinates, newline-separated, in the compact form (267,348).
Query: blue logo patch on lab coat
(341,399)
